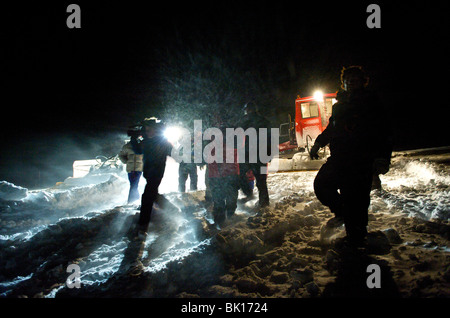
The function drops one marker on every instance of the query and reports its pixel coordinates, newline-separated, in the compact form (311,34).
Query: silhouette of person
(155,148)
(188,169)
(359,136)
(224,182)
(253,119)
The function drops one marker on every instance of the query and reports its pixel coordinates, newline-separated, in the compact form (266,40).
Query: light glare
(172,134)
(318,95)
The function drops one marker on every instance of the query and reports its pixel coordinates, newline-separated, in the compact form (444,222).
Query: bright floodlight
(318,95)
(172,134)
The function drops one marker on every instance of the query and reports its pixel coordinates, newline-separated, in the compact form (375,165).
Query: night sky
(68,93)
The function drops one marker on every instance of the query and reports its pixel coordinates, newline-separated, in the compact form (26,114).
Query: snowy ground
(277,252)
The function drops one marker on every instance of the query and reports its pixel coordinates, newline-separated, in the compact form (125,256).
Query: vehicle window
(329,102)
(305,110)
(310,110)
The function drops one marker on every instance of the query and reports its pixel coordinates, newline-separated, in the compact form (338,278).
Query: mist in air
(41,160)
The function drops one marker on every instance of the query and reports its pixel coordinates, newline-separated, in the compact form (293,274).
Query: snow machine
(312,115)
(99,165)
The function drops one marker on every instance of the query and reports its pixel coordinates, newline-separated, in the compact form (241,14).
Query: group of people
(360,142)
(223,180)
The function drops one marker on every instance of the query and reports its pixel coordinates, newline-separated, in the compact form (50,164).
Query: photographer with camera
(155,148)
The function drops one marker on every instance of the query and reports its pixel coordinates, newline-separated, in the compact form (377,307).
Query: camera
(135,131)
(138,129)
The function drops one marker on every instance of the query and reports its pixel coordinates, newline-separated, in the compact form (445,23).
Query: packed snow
(275,252)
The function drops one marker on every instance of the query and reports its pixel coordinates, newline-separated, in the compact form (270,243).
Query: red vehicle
(312,114)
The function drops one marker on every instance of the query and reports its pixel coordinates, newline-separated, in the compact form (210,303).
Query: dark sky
(64,87)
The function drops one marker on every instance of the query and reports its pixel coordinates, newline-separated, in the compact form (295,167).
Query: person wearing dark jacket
(188,169)
(224,184)
(253,119)
(155,148)
(359,137)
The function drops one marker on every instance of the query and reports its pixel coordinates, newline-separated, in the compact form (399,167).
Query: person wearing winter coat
(155,148)
(224,185)
(188,169)
(253,119)
(134,166)
(250,179)
(359,137)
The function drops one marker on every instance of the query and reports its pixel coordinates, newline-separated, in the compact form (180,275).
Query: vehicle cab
(312,115)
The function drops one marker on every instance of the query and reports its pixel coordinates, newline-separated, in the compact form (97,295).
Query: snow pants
(185,170)
(134,177)
(148,198)
(345,189)
(224,192)
(261,182)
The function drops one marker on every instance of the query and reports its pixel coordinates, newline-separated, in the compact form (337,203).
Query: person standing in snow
(359,136)
(188,169)
(253,119)
(155,148)
(224,184)
(134,166)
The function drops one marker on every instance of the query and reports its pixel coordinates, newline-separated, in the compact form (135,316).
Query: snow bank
(11,192)
(26,211)
(416,188)
(275,252)
(300,161)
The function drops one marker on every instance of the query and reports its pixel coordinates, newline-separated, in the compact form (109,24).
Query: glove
(313,152)
(381,166)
